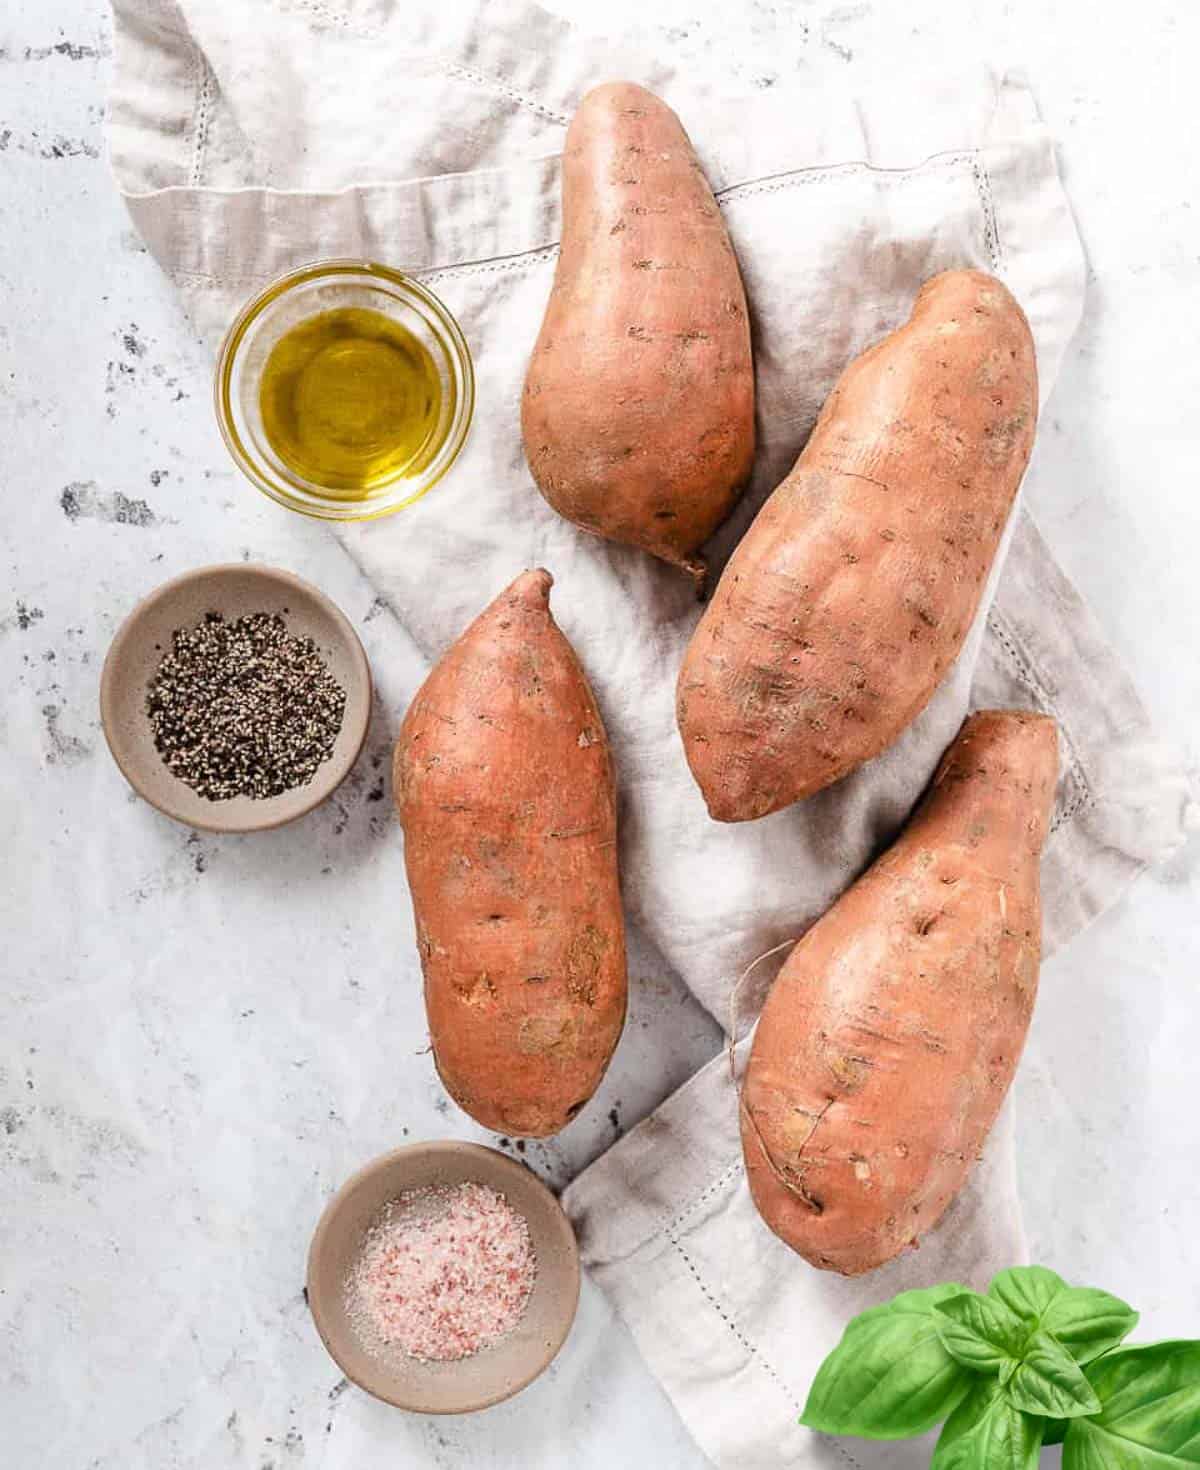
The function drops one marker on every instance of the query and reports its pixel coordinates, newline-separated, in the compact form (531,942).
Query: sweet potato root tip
(533,587)
(696,568)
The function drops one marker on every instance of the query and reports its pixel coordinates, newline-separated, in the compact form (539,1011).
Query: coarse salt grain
(444,1272)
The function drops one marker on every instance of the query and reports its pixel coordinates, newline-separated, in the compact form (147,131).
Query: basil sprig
(1033,1362)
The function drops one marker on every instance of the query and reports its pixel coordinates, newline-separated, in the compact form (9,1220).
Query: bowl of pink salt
(443,1277)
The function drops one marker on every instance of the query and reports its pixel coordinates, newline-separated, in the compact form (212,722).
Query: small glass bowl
(294,298)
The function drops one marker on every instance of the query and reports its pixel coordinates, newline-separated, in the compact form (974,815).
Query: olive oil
(351,400)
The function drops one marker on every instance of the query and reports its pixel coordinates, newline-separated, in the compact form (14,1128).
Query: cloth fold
(251,140)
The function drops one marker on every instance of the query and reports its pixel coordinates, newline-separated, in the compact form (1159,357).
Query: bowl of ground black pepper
(235,698)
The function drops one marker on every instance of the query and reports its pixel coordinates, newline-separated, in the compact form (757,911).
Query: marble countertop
(214,989)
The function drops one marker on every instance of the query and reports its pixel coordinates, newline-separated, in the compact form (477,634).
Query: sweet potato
(890,1037)
(638,410)
(504,786)
(854,588)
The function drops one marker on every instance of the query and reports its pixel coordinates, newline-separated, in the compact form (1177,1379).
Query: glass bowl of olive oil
(345,390)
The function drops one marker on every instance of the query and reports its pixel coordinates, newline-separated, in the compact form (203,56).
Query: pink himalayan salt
(444,1272)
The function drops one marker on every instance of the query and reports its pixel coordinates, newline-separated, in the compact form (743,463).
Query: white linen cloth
(251,139)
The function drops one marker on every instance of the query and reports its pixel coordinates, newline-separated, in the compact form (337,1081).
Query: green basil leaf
(1055,1430)
(1150,1419)
(1050,1382)
(980,1333)
(1088,1322)
(987,1432)
(1026,1290)
(889,1377)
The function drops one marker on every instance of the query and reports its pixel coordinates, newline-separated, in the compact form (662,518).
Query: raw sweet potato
(890,1036)
(854,588)
(504,786)
(638,411)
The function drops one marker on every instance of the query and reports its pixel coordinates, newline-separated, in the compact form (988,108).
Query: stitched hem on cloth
(1027,676)
(971,160)
(754,1352)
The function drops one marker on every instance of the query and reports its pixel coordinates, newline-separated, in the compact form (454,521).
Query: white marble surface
(216,990)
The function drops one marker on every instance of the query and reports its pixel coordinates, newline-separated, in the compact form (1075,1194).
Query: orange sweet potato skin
(504,786)
(852,592)
(638,410)
(891,1035)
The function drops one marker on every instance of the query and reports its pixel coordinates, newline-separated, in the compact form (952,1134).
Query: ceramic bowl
(233,591)
(496,1372)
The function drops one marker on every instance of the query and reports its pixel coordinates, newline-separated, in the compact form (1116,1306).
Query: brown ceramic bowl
(491,1375)
(233,591)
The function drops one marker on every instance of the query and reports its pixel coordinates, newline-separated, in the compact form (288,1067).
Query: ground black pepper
(244,708)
